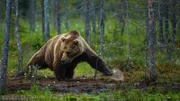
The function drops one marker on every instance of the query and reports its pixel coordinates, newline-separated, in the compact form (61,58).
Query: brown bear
(63,52)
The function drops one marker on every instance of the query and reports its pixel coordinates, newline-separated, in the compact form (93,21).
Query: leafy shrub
(33,40)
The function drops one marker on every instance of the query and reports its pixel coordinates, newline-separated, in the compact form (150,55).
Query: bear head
(71,46)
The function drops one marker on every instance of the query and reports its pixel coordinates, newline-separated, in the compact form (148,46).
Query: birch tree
(5,47)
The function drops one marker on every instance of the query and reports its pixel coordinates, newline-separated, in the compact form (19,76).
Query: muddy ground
(66,86)
(81,85)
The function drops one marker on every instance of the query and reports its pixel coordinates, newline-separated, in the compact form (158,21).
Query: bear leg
(59,72)
(69,72)
(96,62)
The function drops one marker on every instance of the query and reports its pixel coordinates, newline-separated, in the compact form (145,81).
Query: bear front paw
(108,74)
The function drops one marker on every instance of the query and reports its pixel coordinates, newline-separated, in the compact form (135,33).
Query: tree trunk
(54,14)
(166,22)
(160,39)
(58,17)
(102,25)
(87,21)
(46,20)
(5,47)
(1,13)
(146,45)
(42,4)
(171,43)
(173,20)
(179,15)
(128,34)
(146,50)
(151,33)
(121,17)
(32,16)
(20,57)
(66,15)
(93,15)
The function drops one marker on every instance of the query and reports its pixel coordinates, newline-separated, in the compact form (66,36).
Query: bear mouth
(65,62)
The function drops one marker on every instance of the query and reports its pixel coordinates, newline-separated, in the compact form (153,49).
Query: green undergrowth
(149,94)
(82,70)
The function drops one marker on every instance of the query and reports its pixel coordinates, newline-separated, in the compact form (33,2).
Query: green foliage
(71,98)
(140,95)
(36,94)
(123,94)
(2,92)
(88,97)
(33,40)
(84,69)
(125,65)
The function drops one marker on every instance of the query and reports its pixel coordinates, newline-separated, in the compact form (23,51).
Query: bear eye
(67,52)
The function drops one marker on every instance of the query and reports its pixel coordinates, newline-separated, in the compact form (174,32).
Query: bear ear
(74,33)
(63,38)
(75,41)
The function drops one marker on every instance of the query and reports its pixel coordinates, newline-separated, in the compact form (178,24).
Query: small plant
(36,93)
(71,98)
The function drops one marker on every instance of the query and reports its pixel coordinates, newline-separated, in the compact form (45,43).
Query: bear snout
(64,62)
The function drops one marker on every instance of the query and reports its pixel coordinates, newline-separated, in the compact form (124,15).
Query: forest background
(141,38)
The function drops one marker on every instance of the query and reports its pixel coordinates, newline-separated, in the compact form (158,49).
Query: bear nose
(63,61)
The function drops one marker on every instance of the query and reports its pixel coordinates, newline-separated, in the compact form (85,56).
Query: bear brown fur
(63,52)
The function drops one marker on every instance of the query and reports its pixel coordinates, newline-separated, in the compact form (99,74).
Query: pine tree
(46,20)
(5,47)
(102,26)
(32,16)
(151,33)
(87,20)
(20,57)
